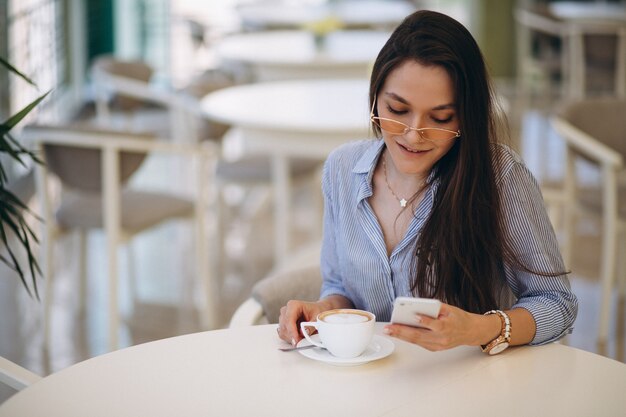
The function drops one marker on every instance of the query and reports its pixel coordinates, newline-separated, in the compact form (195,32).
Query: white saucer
(380,347)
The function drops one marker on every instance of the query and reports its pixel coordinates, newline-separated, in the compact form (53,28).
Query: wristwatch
(501,342)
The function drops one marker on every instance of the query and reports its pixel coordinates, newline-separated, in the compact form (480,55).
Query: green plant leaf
(14,208)
(22,149)
(8,198)
(13,264)
(3,175)
(16,72)
(11,208)
(24,229)
(5,146)
(21,234)
(10,264)
(33,266)
(16,118)
(7,262)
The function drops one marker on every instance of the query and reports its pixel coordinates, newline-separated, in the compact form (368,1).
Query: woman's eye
(394,111)
(442,121)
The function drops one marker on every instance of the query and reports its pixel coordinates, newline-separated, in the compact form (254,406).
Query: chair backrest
(134,70)
(604,119)
(274,291)
(15,376)
(81,168)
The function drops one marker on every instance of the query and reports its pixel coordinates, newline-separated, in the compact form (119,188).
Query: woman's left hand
(453,327)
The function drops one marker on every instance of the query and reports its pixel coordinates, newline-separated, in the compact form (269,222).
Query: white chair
(583,53)
(125,85)
(93,166)
(594,129)
(299,278)
(273,292)
(15,376)
(126,98)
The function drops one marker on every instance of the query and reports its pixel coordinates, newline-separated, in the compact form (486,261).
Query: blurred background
(240,102)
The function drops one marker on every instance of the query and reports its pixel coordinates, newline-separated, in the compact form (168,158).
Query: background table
(602,11)
(353,14)
(240,372)
(280,55)
(283,120)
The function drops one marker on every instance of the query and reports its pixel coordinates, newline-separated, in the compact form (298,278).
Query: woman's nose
(415,134)
(417,124)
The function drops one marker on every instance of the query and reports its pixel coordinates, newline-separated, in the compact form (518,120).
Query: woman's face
(418,96)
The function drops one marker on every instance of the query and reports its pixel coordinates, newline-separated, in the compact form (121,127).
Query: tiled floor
(164,295)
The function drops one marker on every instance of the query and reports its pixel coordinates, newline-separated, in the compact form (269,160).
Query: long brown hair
(461,249)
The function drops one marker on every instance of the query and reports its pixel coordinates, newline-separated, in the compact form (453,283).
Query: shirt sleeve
(527,227)
(331,277)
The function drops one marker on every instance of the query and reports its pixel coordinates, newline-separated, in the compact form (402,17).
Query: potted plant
(12,210)
(321,28)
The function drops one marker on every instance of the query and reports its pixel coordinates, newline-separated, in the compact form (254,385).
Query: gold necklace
(401,200)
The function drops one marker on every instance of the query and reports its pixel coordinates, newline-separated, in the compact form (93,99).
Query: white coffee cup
(345,333)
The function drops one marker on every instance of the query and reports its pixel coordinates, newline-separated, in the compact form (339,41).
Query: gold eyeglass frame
(375,119)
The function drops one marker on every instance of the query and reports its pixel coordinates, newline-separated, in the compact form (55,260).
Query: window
(37,46)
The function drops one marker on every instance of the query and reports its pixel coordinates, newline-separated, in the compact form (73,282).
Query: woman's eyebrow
(402,100)
(397,98)
(445,106)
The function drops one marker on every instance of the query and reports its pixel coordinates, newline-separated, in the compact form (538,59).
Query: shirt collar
(364,169)
(367,162)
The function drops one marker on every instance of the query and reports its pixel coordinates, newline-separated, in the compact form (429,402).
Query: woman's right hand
(297,311)
(293,314)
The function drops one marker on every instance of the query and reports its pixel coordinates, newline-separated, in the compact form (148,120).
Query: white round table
(288,119)
(281,55)
(352,13)
(568,10)
(240,372)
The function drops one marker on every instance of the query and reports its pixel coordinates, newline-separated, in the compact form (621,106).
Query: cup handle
(305,324)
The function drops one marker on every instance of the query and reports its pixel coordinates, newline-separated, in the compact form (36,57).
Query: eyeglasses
(398,128)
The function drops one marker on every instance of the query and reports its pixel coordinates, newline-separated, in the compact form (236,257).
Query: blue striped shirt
(354,258)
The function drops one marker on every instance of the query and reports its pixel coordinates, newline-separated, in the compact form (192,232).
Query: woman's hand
(292,314)
(296,312)
(453,327)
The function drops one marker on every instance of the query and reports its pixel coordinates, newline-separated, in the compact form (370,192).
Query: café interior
(182,142)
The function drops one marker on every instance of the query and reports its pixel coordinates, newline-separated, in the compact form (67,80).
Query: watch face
(498,348)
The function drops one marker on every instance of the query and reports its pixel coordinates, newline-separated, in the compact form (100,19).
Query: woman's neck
(402,183)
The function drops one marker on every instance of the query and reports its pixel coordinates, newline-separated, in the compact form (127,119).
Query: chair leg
(318,204)
(621,302)
(131,263)
(609,254)
(47,245)
(282,209)
(82,270)
(568,207)
(620,70)
(204,271)
(219,231)
(111,210)
(48,269)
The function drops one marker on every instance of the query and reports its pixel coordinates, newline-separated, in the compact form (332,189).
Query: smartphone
(405,309)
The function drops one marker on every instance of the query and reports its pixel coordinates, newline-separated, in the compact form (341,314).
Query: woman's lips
(415,151)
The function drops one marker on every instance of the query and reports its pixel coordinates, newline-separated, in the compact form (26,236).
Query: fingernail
(418,319)
(293,342)
(387,330)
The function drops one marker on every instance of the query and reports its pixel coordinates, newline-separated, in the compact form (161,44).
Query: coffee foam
(345,317)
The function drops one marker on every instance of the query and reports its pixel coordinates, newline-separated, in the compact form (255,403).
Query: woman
(438,209)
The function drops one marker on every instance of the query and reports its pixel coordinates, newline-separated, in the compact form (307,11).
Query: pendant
(403,203)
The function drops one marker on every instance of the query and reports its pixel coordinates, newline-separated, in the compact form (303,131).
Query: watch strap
(505,331)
